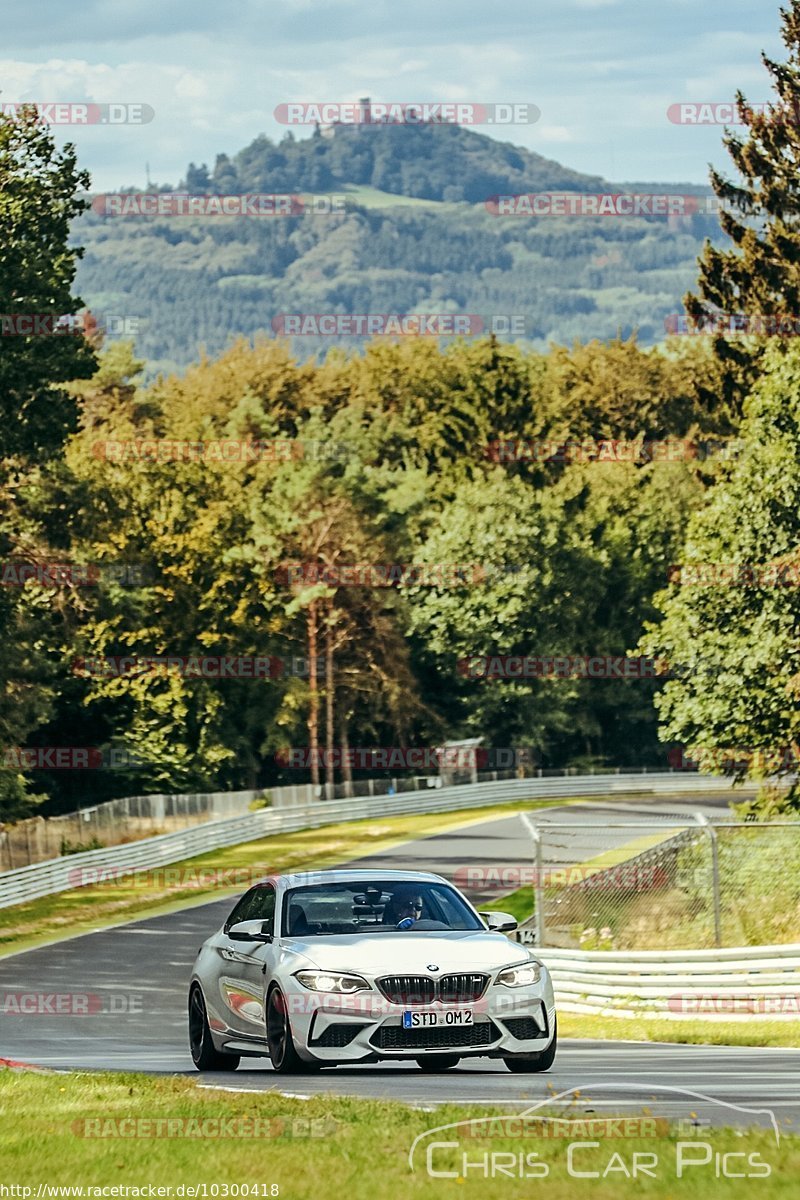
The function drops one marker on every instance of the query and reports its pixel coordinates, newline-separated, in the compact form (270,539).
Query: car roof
(354,875)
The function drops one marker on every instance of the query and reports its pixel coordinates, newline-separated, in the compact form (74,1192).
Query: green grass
(180,885)
(328,1147)
(698,1032)
(371,197)
(520,904)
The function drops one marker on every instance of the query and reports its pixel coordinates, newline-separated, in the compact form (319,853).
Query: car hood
(408,953)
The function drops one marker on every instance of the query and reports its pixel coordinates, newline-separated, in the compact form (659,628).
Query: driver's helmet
(406,901)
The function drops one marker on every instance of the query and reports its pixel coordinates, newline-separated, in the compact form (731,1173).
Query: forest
(396,219)
(236,574)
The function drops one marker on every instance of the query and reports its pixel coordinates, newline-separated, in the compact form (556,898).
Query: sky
(602,72)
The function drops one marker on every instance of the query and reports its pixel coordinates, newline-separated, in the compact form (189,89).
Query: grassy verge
(62,1130)
(692,1033)
(520,904)
(223,872)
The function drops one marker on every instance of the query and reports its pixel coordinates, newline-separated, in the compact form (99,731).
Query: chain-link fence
(714,883)
(113,823)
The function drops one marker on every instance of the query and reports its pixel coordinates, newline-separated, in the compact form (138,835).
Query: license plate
(427,1017)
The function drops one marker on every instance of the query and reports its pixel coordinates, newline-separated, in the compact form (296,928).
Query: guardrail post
(712,833)
(538,890)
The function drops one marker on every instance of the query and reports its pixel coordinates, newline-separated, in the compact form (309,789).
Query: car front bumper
(365,1025)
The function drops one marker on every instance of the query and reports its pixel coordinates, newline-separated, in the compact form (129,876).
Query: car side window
(256,905)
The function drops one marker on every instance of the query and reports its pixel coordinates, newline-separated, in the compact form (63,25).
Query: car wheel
(535,1062)
(282,1053)
(437,1062)
(205,1055)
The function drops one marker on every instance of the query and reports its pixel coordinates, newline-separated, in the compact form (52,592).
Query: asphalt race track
(137,977)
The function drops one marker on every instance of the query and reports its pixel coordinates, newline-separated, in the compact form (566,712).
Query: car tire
(437,1062)
(535,1062)
(282,1053)
(205,1055)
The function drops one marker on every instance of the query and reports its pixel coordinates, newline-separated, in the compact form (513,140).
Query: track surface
(136,975)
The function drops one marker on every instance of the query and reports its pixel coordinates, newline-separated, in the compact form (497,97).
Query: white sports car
(328,967)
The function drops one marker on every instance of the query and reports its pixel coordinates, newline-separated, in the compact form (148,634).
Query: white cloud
(602,72)
(554,133)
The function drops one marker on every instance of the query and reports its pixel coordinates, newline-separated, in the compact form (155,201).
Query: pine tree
(759,276)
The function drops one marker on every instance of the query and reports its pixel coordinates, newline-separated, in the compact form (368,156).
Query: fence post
(712,833)
(538,890)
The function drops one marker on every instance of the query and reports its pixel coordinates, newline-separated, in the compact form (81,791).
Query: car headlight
(332,982)
(522,975)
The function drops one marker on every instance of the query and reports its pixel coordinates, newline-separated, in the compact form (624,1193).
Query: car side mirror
(499,922)
(250,931)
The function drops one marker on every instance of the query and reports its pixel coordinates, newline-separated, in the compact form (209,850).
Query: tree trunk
(329,708)
(344,742)
(312,626)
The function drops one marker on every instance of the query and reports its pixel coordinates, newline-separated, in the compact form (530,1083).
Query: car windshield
(379,906)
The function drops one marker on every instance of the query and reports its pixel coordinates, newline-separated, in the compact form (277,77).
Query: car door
(243,966)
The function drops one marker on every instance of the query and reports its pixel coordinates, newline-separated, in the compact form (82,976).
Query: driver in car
(404,910)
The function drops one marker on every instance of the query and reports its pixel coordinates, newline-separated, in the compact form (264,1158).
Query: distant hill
(427,162)
(415,236)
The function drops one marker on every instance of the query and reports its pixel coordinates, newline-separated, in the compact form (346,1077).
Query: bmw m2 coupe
(329,967)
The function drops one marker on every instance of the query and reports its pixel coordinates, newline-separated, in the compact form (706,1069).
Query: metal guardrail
(116,822)
(741,983)
(75,870)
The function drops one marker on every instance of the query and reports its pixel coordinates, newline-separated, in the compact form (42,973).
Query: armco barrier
(741,984)
(60,874)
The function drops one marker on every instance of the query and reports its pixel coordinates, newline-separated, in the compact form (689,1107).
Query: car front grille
(422,989)
(408,989)
(524,1028)
(458,988)
(445,1037)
